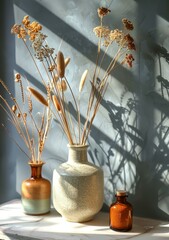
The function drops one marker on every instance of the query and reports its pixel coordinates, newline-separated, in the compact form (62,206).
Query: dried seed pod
(14,108)
(41,146)
(83,79)
(38,96)
(67,61)
(61,86)
(18,115)
(51,68)
(25,115)
(56,77)
(102,11)
(60,65)
(56,103)
(17,77)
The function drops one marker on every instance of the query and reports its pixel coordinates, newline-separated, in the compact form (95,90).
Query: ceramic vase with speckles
(78,186)
(36,192)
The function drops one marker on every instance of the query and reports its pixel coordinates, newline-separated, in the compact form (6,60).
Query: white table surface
(15,225)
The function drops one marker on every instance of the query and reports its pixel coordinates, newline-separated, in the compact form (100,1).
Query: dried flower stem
(58,83)
(19,121)
(35,63)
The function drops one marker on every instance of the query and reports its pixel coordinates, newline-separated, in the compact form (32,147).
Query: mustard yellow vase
(36,192)
(78,186)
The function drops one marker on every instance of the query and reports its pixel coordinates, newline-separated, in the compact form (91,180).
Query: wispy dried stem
(59,87)
(22,121)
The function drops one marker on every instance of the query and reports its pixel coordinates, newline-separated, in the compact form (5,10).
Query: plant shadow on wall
(120,152)
(148,180)
(160,160)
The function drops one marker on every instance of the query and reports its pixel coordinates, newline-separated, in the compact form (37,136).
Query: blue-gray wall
(129,139)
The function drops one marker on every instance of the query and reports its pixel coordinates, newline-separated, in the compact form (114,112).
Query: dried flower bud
(18,115)
(38,96)
(41,146)
(101,31)
(130,42)
(17,77)
(60,65)
(15,29)
(25,115)
(26,21)
(61,86)
(56,103)
(67,61)
(129,59)
(51,68)
(22,33)
(83,79)
(127,24)
(103,11)
(14,108)
(39,27)
(56,77)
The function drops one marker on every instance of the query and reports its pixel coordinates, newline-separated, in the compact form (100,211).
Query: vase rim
(77,145)
(40,163)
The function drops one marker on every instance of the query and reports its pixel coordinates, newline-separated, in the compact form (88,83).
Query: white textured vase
(78,186)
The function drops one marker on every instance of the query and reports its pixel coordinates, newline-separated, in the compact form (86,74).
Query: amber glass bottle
(121,213)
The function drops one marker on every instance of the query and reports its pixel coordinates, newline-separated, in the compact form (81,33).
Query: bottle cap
(121,193)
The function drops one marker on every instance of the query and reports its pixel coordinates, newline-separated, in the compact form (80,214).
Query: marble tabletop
(15,225)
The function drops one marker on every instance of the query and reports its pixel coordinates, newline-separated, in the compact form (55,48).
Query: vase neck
(36,170)
(77,153)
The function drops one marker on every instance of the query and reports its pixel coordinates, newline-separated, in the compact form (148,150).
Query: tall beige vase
(78,186)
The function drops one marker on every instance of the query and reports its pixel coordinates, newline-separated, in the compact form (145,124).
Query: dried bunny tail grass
(67,61)
(38,96)
(56,103)
(60,65)
(83,79)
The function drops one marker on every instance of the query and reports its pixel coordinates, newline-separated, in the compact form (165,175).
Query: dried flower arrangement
(58,84)
(22,116)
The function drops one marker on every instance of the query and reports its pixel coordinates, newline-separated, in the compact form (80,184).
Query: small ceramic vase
(36,192)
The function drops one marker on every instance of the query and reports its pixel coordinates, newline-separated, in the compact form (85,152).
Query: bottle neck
(36,170)
(121,199)
(77,153)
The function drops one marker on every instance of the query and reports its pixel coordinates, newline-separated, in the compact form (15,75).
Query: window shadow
(136,155)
